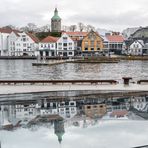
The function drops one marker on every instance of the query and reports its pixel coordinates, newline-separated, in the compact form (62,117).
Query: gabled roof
(119,113)
(115,38)
(77,33)
(33,37)
(141,42)
(49,39)
(8,30)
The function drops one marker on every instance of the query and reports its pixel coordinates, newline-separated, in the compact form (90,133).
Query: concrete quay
(18,89)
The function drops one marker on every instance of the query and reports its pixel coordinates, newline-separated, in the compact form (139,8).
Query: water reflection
(25,113)
(59,117)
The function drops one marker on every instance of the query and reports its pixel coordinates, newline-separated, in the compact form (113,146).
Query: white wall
(4,44)
(65,45)
(25,45)
(135,49)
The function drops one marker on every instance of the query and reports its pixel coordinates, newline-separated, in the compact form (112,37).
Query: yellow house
(92,43)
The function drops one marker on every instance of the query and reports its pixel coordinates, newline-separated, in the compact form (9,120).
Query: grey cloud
(113,14)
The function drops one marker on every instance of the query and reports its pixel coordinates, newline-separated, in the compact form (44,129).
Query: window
(86,44)
(70,43)
(92,43)
(72,103)
(59,44)
(86,49)
(65,44)
(24,39)
(24,45)
(64,38)
(70,53)
(88,107)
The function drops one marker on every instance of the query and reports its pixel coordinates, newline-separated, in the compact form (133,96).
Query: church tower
(56,22)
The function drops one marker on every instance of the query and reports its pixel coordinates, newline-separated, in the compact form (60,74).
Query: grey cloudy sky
(109,14)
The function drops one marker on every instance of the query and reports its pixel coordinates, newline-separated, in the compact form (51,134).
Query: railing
(142,81)
(144,146)
(32,82)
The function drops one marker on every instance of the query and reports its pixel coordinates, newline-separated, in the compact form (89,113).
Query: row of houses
(16,43)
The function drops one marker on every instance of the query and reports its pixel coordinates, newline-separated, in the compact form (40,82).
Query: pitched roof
(8,30)
(115,38)
(33,37)
(119,113)
(49,39)
(77,33)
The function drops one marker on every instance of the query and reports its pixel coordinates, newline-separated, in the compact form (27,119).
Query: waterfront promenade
(18,89)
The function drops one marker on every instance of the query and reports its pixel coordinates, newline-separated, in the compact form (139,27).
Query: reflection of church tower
(56,22)
(59,129)
(5,119)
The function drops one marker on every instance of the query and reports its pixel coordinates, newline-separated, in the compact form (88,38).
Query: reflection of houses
(59,129)
(119,114)
(94,110)
(65,46)
(48,108)
(5,122)
(117,106)
(47,47)
(117,110)
(140,103)
(67,109)
(92,44)
(26,112)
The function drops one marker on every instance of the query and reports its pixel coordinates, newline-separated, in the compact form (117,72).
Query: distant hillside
(129,31)
(103,31)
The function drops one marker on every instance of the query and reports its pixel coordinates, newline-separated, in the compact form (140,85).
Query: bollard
(126,80)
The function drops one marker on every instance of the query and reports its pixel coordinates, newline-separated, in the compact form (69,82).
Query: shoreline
(95,59)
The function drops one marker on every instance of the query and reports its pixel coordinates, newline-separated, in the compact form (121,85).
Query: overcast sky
(110,14)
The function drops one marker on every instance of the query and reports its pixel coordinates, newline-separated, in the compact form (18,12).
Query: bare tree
(73,28)
(81,26)
(89,28)
(45,28)
(24,29)
(65,28)
(32,27)
(10,27)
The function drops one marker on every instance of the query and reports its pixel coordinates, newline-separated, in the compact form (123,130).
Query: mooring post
(126,80)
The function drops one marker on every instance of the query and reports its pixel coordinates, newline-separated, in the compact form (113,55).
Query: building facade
(47,47)
(136,48)
(92,43)
(65,46)
(22,44)
(115,43)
